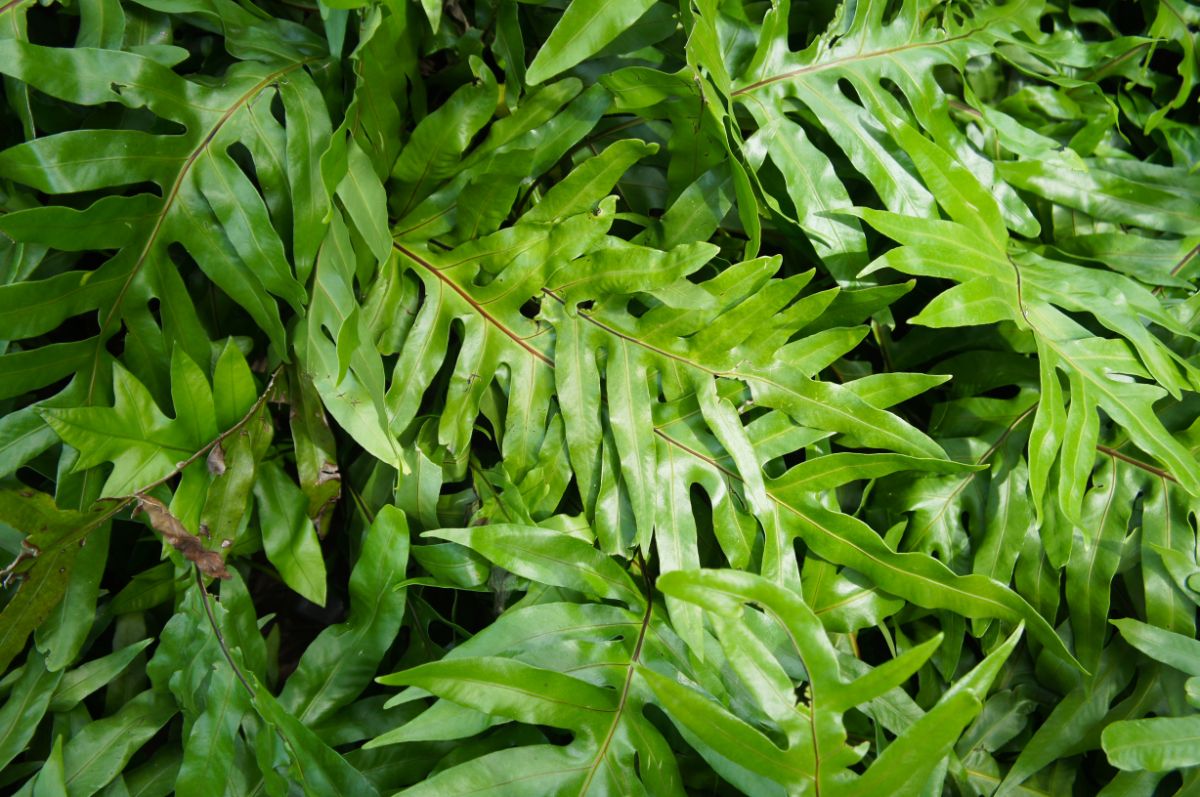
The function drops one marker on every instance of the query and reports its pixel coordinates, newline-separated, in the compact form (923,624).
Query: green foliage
(599,397)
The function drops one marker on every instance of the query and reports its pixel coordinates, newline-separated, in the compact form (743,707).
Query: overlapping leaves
(602,301)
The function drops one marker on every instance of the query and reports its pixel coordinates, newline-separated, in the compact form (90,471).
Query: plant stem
(212,620)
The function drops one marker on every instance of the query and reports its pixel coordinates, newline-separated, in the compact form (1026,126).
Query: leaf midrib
(168,203)
(474,304)
(1003,609)
(886,52)
(634,658)
(133,442)
(849,59)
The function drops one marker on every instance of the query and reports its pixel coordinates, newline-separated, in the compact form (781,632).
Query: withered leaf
(208,562)
(328,472)
(331,478)
(216,460)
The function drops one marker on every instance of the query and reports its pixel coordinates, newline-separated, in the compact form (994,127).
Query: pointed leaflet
(354,397)
(918,578)
(675,539)
(193,397)
(876,60)
(618,268)
(851,543)
(1174,650)
(1009,516)
(225,511)
(233,386)
(565,665)
(14,26)
(307,135)
(1081,711)
(1164,560)
(830,406)
(1098,362)
(1045,437)
(833,470)
(541,769)
(243,213)
(496,334)
(517,150)
(955,251)
(845,600)
(721,730)
(288,535)
(319,768)
(441,138)
(243,256)
(576,381)
(518,691)
(548,557)
(64,634)
(693,458)
(820,751)
(208,749)
(537,625)
(24,433)
(239,622)
(25,706)
(589,181)
(363,196)
(907,762)
(585,28)
(51,780)
(628,393)
(141,442)
(1157,199)
(1109,298)
(97,753)
(1095,557)
(814,189)
(85,679)
(340,662)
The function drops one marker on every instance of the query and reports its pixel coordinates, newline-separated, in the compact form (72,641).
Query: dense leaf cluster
(592,397)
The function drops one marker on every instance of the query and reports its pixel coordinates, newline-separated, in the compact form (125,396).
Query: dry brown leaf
(329,472)
(216,460)
(208,562)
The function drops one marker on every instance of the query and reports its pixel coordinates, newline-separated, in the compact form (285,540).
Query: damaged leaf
(210,563)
